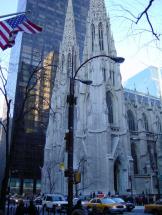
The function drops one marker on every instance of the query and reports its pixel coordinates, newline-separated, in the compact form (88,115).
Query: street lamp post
(71,100)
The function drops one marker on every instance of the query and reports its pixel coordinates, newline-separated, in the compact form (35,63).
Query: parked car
(38,200)
(15,198)
(129,205)
(84,199)
(57,201)
(105,205)
(155,208)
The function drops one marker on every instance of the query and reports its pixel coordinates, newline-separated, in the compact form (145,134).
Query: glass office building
(33,65)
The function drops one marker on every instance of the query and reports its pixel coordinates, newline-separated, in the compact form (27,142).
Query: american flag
(10,27)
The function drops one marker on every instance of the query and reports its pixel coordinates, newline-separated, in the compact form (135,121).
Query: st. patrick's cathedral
(117,132)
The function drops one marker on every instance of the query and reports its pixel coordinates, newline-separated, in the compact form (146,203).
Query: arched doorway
(117,166)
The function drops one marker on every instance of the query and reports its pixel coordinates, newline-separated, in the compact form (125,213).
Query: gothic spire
(98,29)
(97,8)
(69,36)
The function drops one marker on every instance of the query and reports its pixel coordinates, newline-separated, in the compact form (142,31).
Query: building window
(75,61)
(109,106)
(158,124)
(100,29)
(63,59)
(69,65)
(93,35)
(112,77)
(110,74)
(131,121)
(104,74)
(134,156)
(145,122)
(107,29)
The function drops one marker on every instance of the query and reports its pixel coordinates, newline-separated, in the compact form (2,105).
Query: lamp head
(118,59)
(87,82)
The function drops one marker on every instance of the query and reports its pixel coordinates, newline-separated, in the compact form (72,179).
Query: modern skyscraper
(34,60)
(147,81)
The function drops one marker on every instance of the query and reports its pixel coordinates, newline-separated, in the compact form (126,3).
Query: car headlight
(114,207)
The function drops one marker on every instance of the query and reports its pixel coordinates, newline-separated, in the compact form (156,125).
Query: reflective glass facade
(33,89)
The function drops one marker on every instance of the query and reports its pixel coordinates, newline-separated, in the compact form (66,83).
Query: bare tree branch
(2,77)
(145,11)
(50,168)
(152,30)
(2,124)
(136,19)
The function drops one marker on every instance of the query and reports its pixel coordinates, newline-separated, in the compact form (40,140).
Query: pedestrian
(94,195)
(20,210)
(32,210)
(79,209)
(109,194)
(78,205)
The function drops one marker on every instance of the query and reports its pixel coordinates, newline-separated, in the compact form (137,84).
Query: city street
(139,210)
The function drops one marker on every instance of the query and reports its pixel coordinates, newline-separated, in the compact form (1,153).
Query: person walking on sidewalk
(32,210)
(79,209)
(20,210)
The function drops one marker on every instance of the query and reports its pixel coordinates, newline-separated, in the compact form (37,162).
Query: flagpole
(13,14)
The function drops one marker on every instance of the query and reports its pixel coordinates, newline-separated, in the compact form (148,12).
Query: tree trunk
(4,188)
(7,166)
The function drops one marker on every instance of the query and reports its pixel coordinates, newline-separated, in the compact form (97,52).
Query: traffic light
(77,177)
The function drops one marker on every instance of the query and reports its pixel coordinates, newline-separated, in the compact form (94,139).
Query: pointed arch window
(69,64)
(104,74)
(108,42)
(131,121)
(134,156)
(109,106)
(158,124)
(112,74)
(63,59)
(93,35)
(100,31)
(145,122)
(75,61)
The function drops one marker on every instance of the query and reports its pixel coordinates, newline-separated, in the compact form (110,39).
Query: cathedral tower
(54,154)
(101,125)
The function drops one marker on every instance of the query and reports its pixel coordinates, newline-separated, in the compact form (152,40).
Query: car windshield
(118,200)
(159,202)
(58,198)
(107,201)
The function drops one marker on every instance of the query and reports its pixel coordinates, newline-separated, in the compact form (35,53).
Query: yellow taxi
(105,206)
(155,208)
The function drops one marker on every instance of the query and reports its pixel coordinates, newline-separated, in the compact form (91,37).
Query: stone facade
(113,146)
